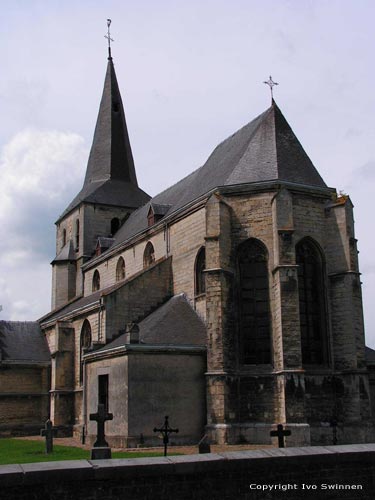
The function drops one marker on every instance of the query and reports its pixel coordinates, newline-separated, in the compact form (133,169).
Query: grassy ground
(19,451)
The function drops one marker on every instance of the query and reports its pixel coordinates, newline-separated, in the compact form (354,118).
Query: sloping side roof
(23,341)
(265,149)
(110,175)
(174,323)
(370,355)
(67,253)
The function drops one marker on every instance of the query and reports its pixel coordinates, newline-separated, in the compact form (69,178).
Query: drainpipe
(84,403)
(100,320)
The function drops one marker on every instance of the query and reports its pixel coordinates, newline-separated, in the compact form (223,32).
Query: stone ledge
(85,470)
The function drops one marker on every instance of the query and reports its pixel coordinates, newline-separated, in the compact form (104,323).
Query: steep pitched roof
(266,149)
(67,253)
(23,341)
(174,323)
(110,175)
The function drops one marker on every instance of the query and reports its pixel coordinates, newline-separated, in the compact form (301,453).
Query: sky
(190,74)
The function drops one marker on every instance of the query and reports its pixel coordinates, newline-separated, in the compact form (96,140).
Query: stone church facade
(231,301)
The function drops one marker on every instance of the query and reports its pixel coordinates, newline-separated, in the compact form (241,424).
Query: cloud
(41,171)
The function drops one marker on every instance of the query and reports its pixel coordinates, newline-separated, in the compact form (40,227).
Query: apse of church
(231,301)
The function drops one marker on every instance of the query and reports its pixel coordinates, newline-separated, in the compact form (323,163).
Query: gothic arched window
(115,225)
(200,265)
(77,235)
(254,313)
(312,308)
(120,269)
(63,238)
(96,281)
(149,255)
(85,343)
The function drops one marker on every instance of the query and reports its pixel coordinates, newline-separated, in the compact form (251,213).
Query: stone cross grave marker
(165,431)
(48,432)
(101,416)
(280,433)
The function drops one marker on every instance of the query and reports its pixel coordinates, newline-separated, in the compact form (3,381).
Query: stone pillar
(221,340)
(289,398)
(62,377)
(348,342)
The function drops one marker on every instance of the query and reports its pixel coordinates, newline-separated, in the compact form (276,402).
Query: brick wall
(291,473)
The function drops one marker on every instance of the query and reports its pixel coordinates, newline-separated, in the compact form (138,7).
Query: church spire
(110,175)
(111,156)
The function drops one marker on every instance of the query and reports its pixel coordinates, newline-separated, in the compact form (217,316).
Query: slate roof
(76,303)
(370,355)
(110,175)
(265,149)
(67,253)
(173,323)
(23,341)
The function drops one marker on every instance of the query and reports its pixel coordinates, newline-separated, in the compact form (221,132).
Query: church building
(230,302)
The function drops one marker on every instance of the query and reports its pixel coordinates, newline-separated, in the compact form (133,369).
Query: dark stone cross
(280,433)
(101,417)
(48,432)
(165,431)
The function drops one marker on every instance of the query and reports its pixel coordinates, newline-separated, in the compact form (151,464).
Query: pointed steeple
(111,155)
(110,176)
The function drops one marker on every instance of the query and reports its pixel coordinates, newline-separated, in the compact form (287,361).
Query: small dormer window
(156,212)
(115,107)
(150,218)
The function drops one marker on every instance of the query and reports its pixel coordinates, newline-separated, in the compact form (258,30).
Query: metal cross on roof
(271,85)
(108,37)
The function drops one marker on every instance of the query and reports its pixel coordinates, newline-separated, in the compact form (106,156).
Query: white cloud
(40,172)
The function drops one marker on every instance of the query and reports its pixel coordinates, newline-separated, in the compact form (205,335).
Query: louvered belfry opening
(254,309)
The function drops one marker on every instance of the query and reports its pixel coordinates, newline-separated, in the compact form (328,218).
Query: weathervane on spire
(108,37)
(271,85)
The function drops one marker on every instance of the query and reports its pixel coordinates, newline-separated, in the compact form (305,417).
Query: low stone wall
(345,472)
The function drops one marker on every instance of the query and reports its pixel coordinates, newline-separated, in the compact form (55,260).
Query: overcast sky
(190,74)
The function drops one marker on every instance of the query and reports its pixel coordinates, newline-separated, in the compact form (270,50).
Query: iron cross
(165,431)
(280,433)
(271,85)
(108,37)
(101,416)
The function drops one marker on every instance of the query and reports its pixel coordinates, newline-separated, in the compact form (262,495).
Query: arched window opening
(200,265)
(312,308)
(254,314)
(85,344)
(96,281)
(77,235)
(64,237)
(115,225)
(149,255)
(120,269)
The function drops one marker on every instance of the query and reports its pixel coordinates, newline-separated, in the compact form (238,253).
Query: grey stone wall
(293,473)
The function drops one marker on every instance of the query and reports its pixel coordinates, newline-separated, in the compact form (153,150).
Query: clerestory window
(200,265)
